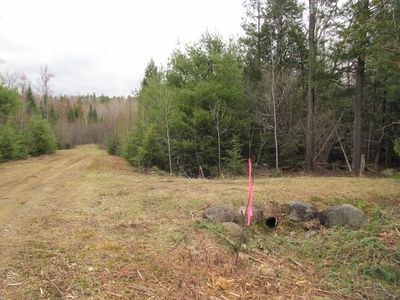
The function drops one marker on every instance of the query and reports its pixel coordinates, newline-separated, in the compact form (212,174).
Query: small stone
(313,225)
(292,234)
(90,269)
(310,233)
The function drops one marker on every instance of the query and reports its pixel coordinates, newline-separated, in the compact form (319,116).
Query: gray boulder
(233,229)
(342,215)
(299,211)
(257,217)
(220,213)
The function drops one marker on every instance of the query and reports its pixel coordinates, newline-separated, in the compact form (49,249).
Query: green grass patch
(387,273)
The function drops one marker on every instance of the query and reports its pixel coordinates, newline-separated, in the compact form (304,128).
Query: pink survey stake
(250,205)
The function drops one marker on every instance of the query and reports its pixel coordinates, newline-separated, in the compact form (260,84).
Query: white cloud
(104,46)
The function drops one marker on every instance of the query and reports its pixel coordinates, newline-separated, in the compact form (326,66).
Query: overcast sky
(104,46)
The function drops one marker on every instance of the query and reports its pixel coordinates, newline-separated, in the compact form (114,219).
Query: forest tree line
(33,121)
(311,86)
(291,93)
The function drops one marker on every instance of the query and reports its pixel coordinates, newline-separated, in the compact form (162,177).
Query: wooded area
(308,86)
(289,94)
(37,122)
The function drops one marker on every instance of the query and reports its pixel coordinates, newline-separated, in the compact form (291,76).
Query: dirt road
(80,224)
(25,185)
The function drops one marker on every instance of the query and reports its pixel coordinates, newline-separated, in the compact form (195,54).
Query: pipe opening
(271,221)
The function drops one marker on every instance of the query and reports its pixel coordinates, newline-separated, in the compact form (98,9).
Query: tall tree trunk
(361,18)
(22,114)
(357,131)
(275,121)
(219,150)
(130,113)
(169,148)
(262,144)
(311,88)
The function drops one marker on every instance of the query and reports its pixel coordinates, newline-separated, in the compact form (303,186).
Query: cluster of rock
(340,215)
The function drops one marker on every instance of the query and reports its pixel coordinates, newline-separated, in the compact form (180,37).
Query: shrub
(112,144)
(397,146)
(41,139)
(8,101)
(234,162)
(143,148)
(275,173)
(12,144)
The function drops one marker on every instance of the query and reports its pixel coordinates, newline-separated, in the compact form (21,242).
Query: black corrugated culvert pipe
(271,221)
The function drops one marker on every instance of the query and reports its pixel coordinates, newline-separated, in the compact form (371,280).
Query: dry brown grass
(91,228)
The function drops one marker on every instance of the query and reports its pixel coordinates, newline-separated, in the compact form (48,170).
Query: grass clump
(388,273)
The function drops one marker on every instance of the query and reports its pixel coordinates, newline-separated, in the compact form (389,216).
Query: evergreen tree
(31,103)
(151,71)
(75,113)
(40,138)
(234,162)
(8,102)
(12,144)
(92,114)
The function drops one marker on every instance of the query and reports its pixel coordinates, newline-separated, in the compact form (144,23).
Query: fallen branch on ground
(200,209)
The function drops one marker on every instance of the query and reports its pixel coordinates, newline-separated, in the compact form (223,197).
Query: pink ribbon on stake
(250,204)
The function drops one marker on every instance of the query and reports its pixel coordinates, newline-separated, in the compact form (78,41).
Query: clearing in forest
(82,224)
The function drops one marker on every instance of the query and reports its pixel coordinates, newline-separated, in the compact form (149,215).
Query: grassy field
(80,224)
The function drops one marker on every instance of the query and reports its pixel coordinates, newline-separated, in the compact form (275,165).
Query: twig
(52,283)
(398,233)
(4,260)
(142,290)
(253,258)
(158,281)
(14,284)
(203,208)
(344,152)
(114,294)
(141,277)
(221,235)
(388,125)
(233,294)
(69,287)
(329,136)
(297,264)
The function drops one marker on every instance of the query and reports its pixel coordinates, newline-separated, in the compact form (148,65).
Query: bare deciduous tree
(278,86)
(43,80)
(221,118)
(14,80)
(166,103)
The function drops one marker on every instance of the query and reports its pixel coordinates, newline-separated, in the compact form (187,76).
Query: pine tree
(234,162)
(92,114)
(150,72)
(31,103)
